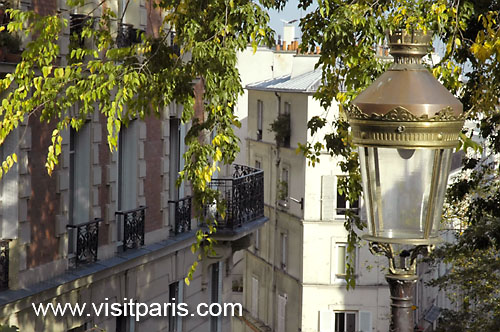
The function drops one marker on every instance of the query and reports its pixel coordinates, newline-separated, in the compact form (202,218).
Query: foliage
(281,128)
(473,280)
(348,31)
(140,80)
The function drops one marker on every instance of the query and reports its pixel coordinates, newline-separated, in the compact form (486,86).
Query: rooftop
(305,83)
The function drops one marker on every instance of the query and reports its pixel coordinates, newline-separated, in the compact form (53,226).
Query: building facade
(295,272)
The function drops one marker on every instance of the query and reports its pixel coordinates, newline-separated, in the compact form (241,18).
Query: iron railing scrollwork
(133,227)
(4,264)
(87,241)
(243,196)
(182,215)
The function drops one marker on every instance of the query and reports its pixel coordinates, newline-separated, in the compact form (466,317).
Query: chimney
(288,33)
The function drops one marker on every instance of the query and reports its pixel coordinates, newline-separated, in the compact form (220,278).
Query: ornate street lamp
(406,125)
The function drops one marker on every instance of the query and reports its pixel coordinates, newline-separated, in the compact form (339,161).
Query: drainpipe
(276,236)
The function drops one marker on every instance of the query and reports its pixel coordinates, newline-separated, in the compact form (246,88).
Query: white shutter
(365,321)
(219,282)
(255,297)
(326,321)
(131,324)
(328,195)
(180,299)
(281,313)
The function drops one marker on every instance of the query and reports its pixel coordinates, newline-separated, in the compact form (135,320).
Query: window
(125,323)
(175,156)
(175,296)
(342,259)
(281,323)
(284,254)
(342,204)
(79,183)
(176,164)
(216,295)
(260,116)
(287,108)
(257,240)
(254,309)
(127,171)
(283,187)
(345,321)
(127,166)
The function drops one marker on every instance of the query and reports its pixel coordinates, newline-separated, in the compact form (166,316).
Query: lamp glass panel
(442,185)
(399,189)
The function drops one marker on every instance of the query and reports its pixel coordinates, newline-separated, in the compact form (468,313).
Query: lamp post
(406,125)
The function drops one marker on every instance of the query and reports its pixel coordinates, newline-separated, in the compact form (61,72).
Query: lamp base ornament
(401,278)
(402,288)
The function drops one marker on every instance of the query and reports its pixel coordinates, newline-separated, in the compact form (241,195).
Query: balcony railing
(87,241)
(243,195)
(4,264)
(133,227)
(182,209)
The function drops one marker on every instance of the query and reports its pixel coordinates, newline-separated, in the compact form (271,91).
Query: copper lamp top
(407,83)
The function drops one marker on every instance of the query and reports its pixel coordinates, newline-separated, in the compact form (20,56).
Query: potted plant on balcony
(281,128)
(10,47)
(10,43)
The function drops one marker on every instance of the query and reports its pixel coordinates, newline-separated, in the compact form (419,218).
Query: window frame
(281,319)
(287,108)
(341,275)
(340,211)
(256,245)
(260,119)
(284,181)
(345,313)
(254,298)
(284,250)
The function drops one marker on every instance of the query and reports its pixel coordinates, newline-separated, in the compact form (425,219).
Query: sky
(290,12)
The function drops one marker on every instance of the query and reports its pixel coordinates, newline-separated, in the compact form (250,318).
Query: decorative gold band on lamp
(406,125)
(400,128)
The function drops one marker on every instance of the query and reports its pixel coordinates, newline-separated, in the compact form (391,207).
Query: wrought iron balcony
(4,264)
(182,208)
(87,241)
(243,195)
(133,227)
